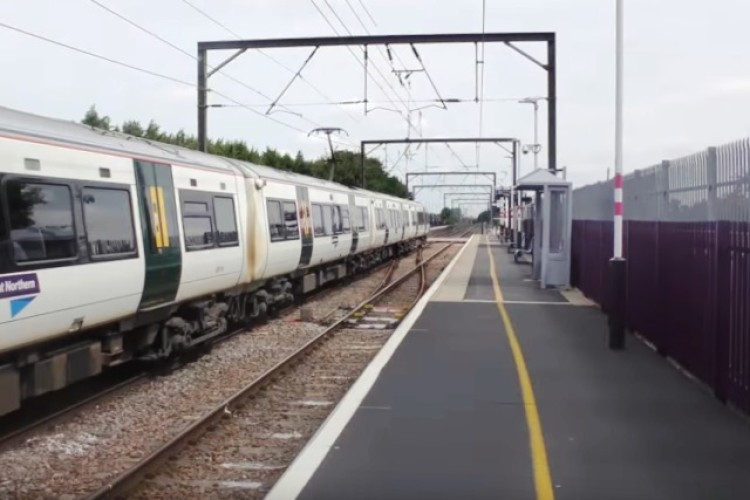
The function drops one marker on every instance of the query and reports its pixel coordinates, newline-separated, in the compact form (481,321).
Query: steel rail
(127,480)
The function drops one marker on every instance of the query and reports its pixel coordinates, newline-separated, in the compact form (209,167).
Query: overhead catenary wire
(364,7)
(389,56)
(453,152)
(265,54)
(142,70)
(335,30)
(192,56)
(429,77)
(377,68)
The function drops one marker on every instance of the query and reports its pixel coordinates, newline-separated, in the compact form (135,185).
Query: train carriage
(114,247)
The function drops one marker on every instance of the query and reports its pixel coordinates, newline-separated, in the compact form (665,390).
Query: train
(115,248)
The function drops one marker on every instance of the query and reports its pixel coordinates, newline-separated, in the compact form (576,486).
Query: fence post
(663,206)
(719,281)
(711,160)
(722,309)
(662,209)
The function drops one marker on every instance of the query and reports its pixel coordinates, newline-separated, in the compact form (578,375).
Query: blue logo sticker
(18,305)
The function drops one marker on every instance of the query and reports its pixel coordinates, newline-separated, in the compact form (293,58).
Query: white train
(114,247)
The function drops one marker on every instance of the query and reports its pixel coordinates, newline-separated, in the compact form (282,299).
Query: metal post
(711,164)
(512,194)
(617,264)
(362,160)
(518,205)
(202,104)
(536,134)
(552,105)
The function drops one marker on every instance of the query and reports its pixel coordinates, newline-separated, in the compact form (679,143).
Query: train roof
(77,134)
(69,132)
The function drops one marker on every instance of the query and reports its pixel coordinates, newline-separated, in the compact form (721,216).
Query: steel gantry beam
(441,140)
(482,173)
(453,186)
(508,39)
(464,193)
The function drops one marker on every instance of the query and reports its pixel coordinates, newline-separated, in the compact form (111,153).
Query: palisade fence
(687,245)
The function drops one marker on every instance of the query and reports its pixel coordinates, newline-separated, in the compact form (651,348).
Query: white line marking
(537,303)
(478,301)
(299,472)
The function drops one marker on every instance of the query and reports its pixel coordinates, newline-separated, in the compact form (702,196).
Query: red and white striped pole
(617,306)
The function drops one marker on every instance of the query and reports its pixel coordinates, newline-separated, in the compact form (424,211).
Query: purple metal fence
(688,291)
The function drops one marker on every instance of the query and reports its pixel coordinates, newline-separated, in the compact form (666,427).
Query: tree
(450,215)
(348,164)
(92,119)
(132,127)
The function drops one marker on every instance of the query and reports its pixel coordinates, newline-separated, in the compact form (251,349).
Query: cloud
(734,86)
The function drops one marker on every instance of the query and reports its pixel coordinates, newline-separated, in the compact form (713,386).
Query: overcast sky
(687,76)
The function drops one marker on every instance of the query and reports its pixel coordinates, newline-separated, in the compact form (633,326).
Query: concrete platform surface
(443,414)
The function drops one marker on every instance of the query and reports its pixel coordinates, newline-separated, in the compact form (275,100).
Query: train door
(306,228)
(354,222)
(404,222)
(386,221)
(161,241)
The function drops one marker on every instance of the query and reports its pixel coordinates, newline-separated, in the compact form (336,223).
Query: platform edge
(306,463)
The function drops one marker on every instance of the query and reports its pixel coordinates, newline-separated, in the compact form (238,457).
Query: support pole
(536,134)
(552,105)
(202,104)
(618,268)
(511,226)
(518,242)
(362,160)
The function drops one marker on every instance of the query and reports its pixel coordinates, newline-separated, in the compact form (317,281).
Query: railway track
(58,408)
(325,365)
(453,232)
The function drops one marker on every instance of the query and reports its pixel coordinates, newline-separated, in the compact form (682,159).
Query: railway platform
(493,388)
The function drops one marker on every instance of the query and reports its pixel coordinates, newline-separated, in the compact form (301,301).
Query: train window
(318,224)
(405,216)
(328,219)
(362,223)
(41,221)
(199,232)
(226,221)
(380,215)
(275,220)
(108,217)
(194,207)
(290,220)
(345,222)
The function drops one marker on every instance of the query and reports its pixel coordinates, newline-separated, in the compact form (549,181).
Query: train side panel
(56,280)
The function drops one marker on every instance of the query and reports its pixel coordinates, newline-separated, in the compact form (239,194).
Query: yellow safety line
(542,477)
